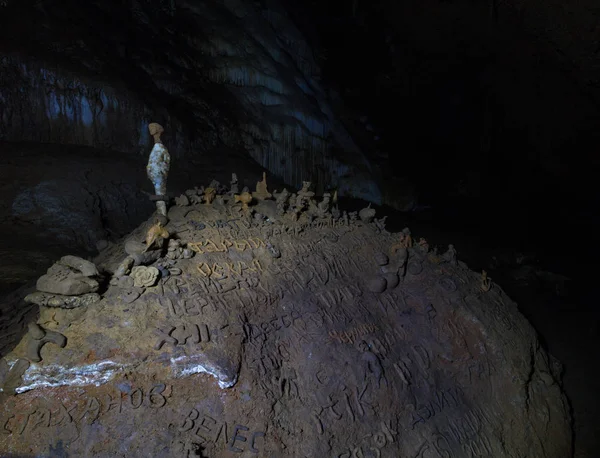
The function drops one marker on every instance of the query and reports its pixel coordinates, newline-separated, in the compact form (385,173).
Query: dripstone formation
(272,324)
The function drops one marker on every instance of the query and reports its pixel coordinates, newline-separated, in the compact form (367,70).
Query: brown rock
(87,268)
(62,280)
(319,348)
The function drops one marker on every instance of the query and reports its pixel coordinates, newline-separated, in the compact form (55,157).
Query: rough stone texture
(86,268)
(14,317)
(64,281)
(57,300)
(245,354)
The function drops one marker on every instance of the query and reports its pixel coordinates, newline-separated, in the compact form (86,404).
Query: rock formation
(285,336)
(70,283)
(159,164)
(262,191)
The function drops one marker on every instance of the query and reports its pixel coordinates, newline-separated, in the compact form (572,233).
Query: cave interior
(473,123)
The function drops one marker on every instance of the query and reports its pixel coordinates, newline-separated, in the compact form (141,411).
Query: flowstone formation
(280,328)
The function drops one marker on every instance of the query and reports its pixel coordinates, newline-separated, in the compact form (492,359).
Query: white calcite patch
(48,376)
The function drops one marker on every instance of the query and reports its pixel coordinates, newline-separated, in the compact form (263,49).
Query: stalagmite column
(158,168)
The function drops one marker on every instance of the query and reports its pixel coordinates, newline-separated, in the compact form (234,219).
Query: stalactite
(269,99)
(246,76)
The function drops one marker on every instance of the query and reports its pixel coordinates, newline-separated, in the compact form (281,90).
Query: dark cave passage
(471,124)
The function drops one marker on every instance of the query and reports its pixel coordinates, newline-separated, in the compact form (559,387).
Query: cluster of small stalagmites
(216,193)
(176,250)
(207,195)
(302,206)
(297,204)
(147,262)
(69,283)
(393,267)
(298,207)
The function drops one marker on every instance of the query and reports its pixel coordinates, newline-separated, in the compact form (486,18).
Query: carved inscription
(352,334)
(412,366)
(466,433)
(324,260)
(182,335)
(372,444)
(481,369)
(223,270)
(345,402)
(391,303)
(438,403)
(337,296)
(188,297)
(223,246)
(205,429)
(85,410)
(262,330)
(183,306)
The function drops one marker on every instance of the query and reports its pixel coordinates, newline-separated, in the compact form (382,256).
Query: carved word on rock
(223,270)
(412,365)
(208,246)
(260,331)
(373,443)
(466,433)
(206,429)
(338,296)
(345,403)
(182,335)
(52,412)
(352,334)
(179,307)
(440,401)
(220,292)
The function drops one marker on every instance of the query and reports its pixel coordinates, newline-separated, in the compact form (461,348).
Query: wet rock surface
(241,353)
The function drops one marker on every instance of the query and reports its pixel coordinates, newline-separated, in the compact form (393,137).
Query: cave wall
(44,103)
(234,74)
(496,104)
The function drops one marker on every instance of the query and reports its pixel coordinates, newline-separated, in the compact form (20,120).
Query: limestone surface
(62,280)
(247,354)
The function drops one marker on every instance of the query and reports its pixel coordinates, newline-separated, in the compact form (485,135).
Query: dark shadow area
(551,281)
(482,118)
(15,315)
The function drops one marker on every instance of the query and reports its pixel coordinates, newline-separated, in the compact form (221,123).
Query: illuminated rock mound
(282,329)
